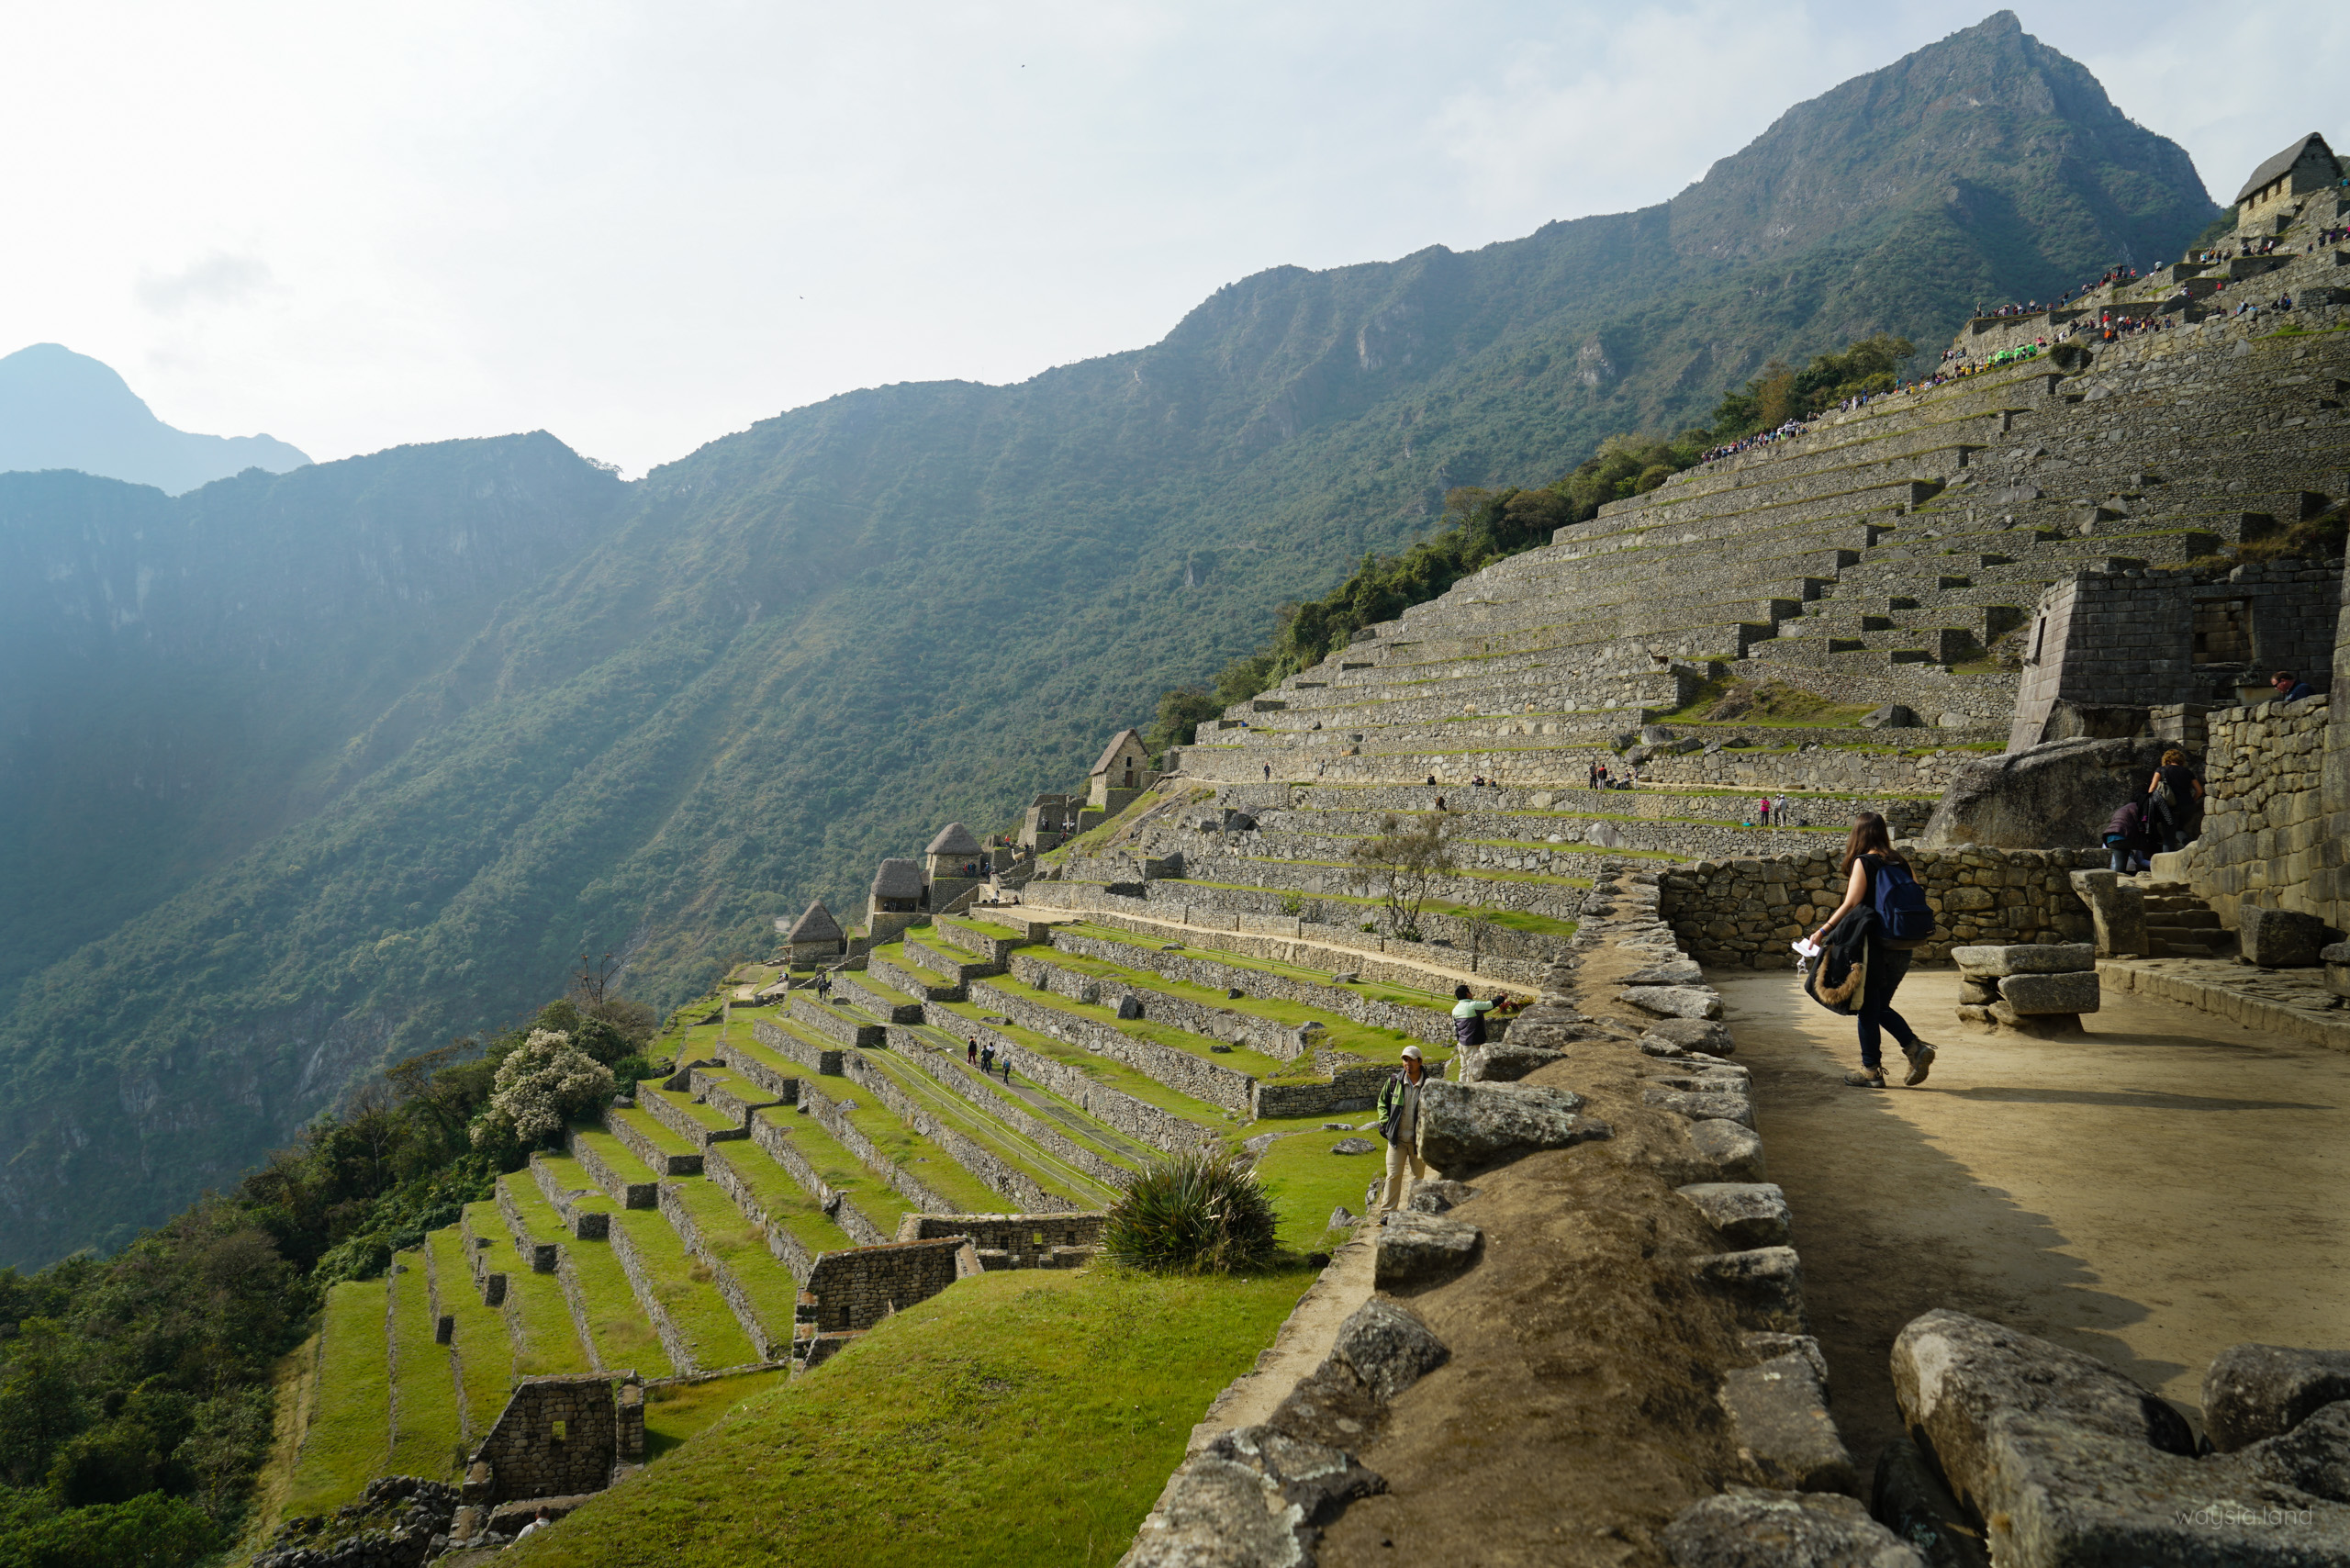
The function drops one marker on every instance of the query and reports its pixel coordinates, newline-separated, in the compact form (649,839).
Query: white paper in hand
(1805,947)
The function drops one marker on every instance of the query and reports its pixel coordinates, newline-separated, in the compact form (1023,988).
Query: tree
(545,1082)
(1400,861)
(1180,713)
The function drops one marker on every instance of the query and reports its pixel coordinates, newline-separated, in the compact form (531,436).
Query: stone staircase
(2179,925)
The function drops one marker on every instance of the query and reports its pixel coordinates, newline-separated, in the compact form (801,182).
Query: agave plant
(1198,1212)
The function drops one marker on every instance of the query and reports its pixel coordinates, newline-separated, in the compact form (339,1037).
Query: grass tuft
(1198,1212)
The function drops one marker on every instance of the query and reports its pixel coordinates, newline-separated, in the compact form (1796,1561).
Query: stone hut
(896,900)
(955,852)
(558,1436)
(1050,819)
(2307,165)
(815,937)
(1123,772)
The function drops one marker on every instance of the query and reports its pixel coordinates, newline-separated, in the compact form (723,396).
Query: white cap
(1412,1052)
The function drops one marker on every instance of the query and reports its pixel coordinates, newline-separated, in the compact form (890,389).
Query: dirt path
(2165,1186)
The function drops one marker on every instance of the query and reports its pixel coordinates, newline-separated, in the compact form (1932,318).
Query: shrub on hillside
(1196,1213)
(545,1082)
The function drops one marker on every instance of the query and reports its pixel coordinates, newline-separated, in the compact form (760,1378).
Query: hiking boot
(1921,1062)
(1866,1079)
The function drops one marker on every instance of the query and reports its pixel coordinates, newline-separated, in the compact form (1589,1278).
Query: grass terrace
(781,1199)
(737,1244)
(484,1352)
(1401,995)
(682,1285)
(612,1152)
(1040,1165)
(548,1344)
(350,1437)
(925,1161)
(624,1341)
(1342,1033)
(1515,920)
(1102,1070)
(987,928)
(838,1169)
(701,1116)
(1022,1417)
(427,1438)
(656,1133)
(1306,1181)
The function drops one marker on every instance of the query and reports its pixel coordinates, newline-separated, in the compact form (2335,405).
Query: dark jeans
(2129,861)
(1887,967)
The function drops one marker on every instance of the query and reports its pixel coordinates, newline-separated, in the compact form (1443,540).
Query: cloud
(217,279)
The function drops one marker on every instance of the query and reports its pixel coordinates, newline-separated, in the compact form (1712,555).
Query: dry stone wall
(2265,834)
(1745,913)
(1015,1184)
(1179,1069)
(1198,969)
(910,1046)
(557,1437)
(857,1289)
(844,1214)
(787,1247)
(1138,1119)
(1015,1241)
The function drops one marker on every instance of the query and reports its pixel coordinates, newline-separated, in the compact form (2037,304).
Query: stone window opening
(2039,638)
(2222,631)
(557,1430)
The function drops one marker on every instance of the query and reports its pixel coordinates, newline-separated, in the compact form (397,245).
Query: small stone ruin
(2038,988)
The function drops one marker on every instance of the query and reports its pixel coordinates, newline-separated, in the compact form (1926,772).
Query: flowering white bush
(543,1085)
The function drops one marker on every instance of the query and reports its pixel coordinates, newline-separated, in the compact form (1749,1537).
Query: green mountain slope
(681,707)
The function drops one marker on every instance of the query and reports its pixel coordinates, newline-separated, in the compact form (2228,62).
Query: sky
(643,226)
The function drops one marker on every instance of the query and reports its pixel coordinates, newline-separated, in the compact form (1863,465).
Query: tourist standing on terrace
(1399,1123)
(1869,855)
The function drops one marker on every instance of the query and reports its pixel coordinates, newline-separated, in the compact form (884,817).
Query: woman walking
(1868,855)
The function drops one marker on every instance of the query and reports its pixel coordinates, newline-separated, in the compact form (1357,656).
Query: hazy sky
(641,225)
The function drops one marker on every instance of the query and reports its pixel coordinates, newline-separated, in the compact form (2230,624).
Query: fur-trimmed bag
(1840,979)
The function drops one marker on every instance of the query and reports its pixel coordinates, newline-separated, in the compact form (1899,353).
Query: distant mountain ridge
(272,820)
(61,409)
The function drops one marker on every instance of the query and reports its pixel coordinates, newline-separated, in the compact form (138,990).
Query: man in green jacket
(1399,1123)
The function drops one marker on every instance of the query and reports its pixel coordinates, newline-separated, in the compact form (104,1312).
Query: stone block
(1783,1529)
(2117,907)
(1675,1000)
(1465,1128)
(1778,1415)
(1252,1496)
(1438,1195)
(2337,967)
(1728,1107)
(2036,993)
(1765,1282)
(1413,1249)
(2281,938)
(1978,994)
(1388,1347)
(2255,1391)
(1692,1034)
(2024,958)
(1725,1151)
(1751,1214)
(1504,1063)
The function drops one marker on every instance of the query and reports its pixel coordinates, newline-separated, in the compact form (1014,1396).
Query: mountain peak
(63,409)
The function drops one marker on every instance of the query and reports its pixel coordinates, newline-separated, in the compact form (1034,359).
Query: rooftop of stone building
(2276,165)
(1110,752)
(898,879)
(954,839)
(816,925)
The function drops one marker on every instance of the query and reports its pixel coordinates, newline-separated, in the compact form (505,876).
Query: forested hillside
(306,771)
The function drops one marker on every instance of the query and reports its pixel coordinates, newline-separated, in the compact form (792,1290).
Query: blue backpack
(1903,918)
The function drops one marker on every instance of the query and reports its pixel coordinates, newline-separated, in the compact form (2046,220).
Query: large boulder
(1252,1496)
(2071,1462)
(2059,795)
(2251,1392)
(2282,938)
(1388,1347)
(1415,1248)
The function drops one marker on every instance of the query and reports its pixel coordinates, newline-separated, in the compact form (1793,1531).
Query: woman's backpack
(1904,919)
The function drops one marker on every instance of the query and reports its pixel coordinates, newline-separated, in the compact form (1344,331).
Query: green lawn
(1306,1181)
(1022,1416)
(549,1344)
(350,1412)
(840,1170)
(624,1339)
(774,1061)
(736,1243)
(1517,920)
(484,1352)
(783,1199)
(699,1114)
(984,927)
(678,1411)
(867,984)
(681,1284)
(426,1438)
